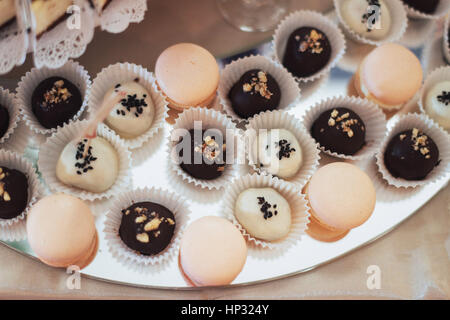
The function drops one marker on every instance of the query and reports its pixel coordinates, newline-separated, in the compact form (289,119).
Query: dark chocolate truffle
(308,50)
(13,193)
(411,155)
(147,227)
(55,101)
(4,121)
(425,6)
(340,130)
(256,91)
(207,154)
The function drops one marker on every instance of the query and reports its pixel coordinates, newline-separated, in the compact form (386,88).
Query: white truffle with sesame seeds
(277,152)
(264,213)
(437,103)
(133,111)
(91,165)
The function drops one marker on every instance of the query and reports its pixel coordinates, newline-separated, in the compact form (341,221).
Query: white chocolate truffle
(96,172)
(278,153)
(437,104)
(133,115)
(264,213)
(362,20)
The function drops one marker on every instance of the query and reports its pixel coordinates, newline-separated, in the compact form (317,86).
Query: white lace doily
(120,13)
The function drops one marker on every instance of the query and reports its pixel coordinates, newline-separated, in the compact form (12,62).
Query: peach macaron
(341,197)
(390,75)
(188,75)
(61,231)
(212,252)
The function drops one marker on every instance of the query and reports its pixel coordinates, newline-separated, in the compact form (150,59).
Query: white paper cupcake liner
(173,202)
(125,72)
(445,40)
(290,91)
(19,140)
(51,150)
(309,19)
(210,119)
(282,120)
(372,116)
(297,202)
(399,22)
(433,56)
(8,100)
(439,136)
(71,71)
(9,229)
(438,75)
(441,10)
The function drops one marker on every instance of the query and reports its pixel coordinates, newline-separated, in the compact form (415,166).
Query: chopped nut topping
(152,225)
(311,42)
(141,218)
(402,137)
(56,94)
(334,113)
(331,122)
(6,196)
(258,85)
(143,237)
(170,221)
(2,188)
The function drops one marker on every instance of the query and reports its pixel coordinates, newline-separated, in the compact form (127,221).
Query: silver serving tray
(150,169)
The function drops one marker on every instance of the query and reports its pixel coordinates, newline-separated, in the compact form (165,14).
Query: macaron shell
(212,252)
(61,229)
(341,195)
(187,73)
(318,232)
(392,74)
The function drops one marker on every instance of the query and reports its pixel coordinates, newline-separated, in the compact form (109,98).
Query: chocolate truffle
(4,121)
(207,154)
(91,165)
(355,13)
(411,155)
(339,130)
(425,6)
(256,91)
(147,227)
(264,213)
(13,193)
(55,101)
(308,50)
(278,152)
(133,115)
(437,103)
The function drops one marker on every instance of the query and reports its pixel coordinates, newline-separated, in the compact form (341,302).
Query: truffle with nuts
(13,193)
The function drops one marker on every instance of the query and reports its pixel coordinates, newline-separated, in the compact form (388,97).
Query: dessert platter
(185,174)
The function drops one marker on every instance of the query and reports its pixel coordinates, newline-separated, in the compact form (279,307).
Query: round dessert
(55,101)
(206,156)
(256,91)
(212,252)
(4,120)
(264,213)
(390,75)
(278,153)
(411,155)
(308,50)
(188,75)
(428,6)
(147,228)
(13,193)
(340,130)
(133,115)
(358,16)
(91,165)
(341,197)
(61,231)
(437,103)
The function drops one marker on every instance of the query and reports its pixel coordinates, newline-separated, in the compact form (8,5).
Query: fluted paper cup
(312,19)
(399,23)
(210,119)
(9,101)
(372,116)
(71,71)
(50,152)
(11,229)
(437,76)
(431,129)
(126,72)
(282,120)
(297,202)
(445,39)
(124,254)
(290,91)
